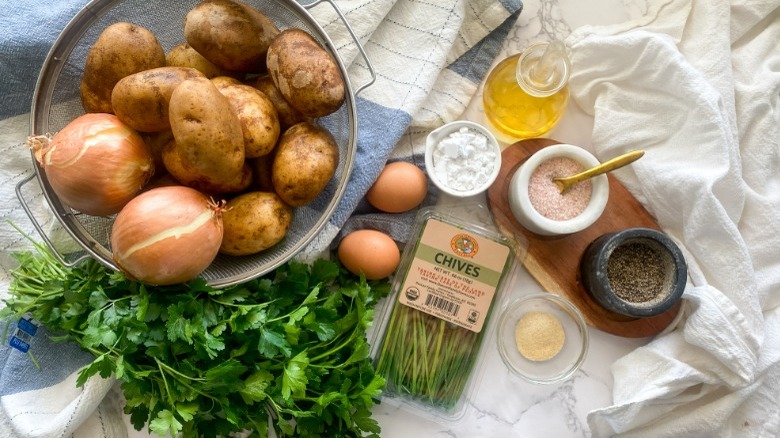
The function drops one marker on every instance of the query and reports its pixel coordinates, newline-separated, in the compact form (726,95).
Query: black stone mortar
(593,271)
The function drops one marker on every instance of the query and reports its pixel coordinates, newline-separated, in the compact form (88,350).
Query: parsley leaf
(294,378)
(287,351)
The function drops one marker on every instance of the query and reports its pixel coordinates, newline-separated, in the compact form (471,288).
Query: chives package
(444,293)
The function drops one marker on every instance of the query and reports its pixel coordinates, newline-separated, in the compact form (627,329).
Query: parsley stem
(165,383)
(333,350)
(175,372)
(243,306)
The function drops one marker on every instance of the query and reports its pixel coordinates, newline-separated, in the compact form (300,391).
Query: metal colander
(56,102)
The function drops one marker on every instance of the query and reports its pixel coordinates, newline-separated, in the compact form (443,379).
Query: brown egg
(369,251)
(400,187)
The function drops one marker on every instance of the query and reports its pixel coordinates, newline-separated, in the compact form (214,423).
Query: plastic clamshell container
(430,340)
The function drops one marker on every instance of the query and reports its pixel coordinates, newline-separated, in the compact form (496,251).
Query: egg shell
(371,252)
(400,187)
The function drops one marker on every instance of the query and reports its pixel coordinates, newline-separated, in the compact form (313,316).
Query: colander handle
(39,228)
(354,37)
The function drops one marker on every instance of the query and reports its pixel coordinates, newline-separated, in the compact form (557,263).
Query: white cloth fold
(696,84)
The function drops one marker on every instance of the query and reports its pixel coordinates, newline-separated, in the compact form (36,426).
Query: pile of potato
(230,112)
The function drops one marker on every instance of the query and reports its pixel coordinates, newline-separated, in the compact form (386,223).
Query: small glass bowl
(439,134)
(568,360)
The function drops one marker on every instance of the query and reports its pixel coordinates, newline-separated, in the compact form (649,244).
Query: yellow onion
(167,235)
(95,164)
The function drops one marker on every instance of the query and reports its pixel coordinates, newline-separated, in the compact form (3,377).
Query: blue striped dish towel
(430,58)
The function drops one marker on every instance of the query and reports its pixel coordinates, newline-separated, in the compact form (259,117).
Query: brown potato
(208,148)
(141,99)
(259,120)
(305,161)
(305,74)
(163,180)
(262,167)
(182,172)
(223,81)
(156,141)
(254,221)
(232,35)
(238,182)
(121,50)
(184,55)
(288,115)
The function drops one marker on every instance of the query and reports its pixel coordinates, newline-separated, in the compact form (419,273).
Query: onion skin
(96,164)
(167,235)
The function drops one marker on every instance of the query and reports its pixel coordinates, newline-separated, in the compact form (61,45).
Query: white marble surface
(504,405)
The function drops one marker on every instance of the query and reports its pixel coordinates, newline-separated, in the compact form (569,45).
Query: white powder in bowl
(464,160)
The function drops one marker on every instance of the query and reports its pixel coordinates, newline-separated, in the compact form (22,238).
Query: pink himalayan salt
(547,198)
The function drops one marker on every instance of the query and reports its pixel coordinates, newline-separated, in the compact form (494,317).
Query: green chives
(427,358)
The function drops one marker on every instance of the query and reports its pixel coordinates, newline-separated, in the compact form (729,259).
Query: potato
(180,170)
(163,180)
(156,141)
(121,50)
(224,81)
(208,148)
(141,99)
(184,55)
(305,161)
(305,74)
(259,120)
(288,115)
(254,221)
(262,167)
(232,35)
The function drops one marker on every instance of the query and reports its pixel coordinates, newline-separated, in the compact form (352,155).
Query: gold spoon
(565,183)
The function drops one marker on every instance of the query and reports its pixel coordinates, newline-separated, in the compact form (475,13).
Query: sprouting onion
(426,357)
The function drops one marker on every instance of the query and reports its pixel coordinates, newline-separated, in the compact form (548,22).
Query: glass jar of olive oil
(526,94)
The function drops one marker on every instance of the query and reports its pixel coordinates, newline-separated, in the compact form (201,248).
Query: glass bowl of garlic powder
(542,338)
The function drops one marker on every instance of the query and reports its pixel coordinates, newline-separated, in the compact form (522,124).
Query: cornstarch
(464,160)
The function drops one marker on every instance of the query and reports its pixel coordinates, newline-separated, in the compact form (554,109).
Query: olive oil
(526,94)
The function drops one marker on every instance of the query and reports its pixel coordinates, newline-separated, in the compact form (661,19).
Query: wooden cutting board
(554,261)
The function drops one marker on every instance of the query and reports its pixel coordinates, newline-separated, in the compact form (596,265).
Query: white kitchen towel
(696,84)
(429,58)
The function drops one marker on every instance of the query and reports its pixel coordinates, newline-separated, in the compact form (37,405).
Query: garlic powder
(464,160)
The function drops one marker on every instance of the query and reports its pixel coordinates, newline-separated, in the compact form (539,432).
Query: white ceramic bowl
(436,136)
(576,339)
(529,216)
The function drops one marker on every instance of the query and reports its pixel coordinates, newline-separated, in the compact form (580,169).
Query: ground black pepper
(636,272)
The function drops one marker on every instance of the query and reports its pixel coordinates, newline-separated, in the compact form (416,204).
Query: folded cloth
(429,59)
(696,85)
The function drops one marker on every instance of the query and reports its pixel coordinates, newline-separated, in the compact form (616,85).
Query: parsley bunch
(288,350)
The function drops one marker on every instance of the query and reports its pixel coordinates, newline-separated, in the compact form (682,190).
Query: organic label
(454,275)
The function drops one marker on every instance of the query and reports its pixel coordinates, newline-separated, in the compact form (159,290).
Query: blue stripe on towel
(475,63)
(379,130)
